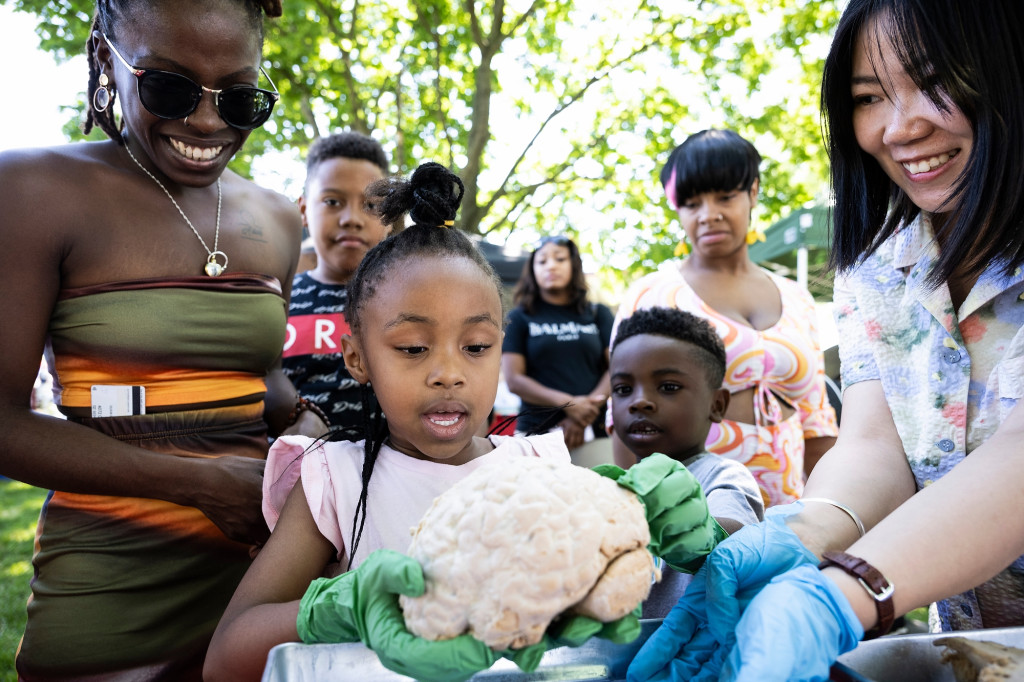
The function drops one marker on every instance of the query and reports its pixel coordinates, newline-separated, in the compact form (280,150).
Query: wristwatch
(872,580)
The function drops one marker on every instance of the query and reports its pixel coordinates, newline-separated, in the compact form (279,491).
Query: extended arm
(867,471)
(966,517)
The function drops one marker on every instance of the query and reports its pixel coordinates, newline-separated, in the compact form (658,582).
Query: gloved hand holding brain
(518,542)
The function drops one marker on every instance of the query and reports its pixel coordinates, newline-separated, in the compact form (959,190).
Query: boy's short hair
(347,145)
(683,326)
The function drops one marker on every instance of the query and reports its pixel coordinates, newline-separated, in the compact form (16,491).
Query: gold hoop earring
(101,97)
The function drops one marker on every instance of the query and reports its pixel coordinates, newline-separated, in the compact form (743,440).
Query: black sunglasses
(170,95)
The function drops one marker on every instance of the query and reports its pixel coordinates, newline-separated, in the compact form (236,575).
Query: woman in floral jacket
(920,499)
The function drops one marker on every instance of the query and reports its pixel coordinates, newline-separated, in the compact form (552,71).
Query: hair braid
(376,430)
(105,120)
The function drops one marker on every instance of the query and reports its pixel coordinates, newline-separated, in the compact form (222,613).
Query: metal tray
(912,658)
(897,658)
(597,660)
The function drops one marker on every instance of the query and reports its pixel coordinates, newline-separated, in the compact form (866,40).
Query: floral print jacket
(950,377)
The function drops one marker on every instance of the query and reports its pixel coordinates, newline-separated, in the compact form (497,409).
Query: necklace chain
(213,267)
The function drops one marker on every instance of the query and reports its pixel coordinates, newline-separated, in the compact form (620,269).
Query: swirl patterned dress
(781,363)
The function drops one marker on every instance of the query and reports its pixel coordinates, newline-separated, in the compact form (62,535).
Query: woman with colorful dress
(779,420)
(157,281)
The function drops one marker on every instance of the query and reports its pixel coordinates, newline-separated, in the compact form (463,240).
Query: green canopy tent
(804,229)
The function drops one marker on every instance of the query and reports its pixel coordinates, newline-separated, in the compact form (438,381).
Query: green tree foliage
(558,115)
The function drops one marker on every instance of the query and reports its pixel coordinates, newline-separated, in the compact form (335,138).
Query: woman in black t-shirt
(555,352)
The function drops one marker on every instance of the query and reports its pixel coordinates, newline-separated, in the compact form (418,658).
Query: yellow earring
(755,234)
(682,248)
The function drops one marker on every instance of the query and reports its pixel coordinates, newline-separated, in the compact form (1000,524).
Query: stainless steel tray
(898,658)
(596,661)
(913,658)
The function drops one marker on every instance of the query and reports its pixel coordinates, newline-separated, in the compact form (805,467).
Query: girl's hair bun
(431,196)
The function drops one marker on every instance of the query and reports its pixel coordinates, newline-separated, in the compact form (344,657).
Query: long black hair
(431,198)
(527,292)
(967,55)
(110,14)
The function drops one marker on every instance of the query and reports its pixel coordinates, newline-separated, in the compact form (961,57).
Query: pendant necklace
(213,266)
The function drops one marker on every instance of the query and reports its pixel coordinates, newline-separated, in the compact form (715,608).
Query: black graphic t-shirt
(564,350)
(312,356)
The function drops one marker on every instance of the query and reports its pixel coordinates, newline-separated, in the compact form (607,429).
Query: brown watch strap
(873,581)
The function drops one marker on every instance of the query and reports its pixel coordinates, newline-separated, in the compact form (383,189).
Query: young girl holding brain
(426,318)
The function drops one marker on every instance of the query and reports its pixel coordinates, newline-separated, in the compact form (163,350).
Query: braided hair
(109,15)
(682,326)
(431,198)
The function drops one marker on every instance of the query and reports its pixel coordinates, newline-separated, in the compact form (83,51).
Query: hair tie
(447,223)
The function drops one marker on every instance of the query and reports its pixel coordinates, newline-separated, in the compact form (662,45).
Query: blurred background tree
(557,115)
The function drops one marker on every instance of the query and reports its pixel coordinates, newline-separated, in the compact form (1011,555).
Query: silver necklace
(213,267)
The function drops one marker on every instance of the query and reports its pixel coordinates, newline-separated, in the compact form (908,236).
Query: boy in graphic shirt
(342,227)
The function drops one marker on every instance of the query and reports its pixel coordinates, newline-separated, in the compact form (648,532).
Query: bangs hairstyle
(527,292)
(709,161)
(963,55)
(684,327)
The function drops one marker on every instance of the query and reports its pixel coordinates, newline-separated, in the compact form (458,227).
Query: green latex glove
(362,605)
(574,630)
(683,532)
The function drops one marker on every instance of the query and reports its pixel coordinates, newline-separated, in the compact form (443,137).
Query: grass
(19,511)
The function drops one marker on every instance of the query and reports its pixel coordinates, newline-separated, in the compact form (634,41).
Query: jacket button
(946,445)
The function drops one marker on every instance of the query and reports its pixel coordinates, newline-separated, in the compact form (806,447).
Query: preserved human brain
(517,542)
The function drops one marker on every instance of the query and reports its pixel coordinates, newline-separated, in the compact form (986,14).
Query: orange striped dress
(132,588)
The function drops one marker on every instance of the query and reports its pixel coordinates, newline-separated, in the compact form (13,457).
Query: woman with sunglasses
(157,282)
(555,352)
(779,421)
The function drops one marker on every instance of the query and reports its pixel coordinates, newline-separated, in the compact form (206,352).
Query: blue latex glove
(699,631)
(682,648)
(362,605)
(745,562)
(794,629)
